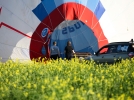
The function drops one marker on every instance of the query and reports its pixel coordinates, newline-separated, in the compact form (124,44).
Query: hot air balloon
(29,27)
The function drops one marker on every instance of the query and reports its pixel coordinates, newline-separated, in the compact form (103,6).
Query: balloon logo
(44,32)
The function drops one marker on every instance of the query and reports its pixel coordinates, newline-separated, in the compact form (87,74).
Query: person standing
(54,51)
(69,51)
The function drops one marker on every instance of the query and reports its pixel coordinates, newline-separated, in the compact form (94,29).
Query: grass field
(66,80)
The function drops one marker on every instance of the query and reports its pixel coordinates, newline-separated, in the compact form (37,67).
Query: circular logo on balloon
(44,32)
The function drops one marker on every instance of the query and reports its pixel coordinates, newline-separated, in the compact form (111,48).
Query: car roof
(120,43)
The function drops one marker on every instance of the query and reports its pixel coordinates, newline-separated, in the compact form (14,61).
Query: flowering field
(66,80)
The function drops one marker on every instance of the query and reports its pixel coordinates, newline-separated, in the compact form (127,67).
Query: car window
(104,50)
(112,49)
(108,49)
(122,48)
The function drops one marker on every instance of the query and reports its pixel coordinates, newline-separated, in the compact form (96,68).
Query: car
(113,52)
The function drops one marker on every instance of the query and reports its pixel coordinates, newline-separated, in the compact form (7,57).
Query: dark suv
(113,52)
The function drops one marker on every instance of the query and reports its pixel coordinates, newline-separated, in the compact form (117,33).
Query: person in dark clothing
(69,51)
(54,51)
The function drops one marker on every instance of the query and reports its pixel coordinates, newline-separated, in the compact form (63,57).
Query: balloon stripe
(40,11)
(96,7)
(10,27)
(99,10)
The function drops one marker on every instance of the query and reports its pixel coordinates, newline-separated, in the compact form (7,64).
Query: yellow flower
(60,68)
(30,71)
(56,78)
(132,91)
(91,74)
(122,76)
(75,78)
(102,71)
(97,81)
(68,79)
(90,79)
(53,94)
(7,80)
(121,87)
(68,96)
(103,77)
(90,84)
(11,74)
(6,72)
(20,87)
(98,95)
(25,94)
(129,98)
(14,85)
(61,91)
(29,85)
(46,81)
(6,88)
(121,97)
(133,74)
(17,72)
(1,88)
(3,95)
(90,92)
(54,82)
(72,88)
(111,99)
(35,86)
(0,74)
(43,87)
(106,81)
